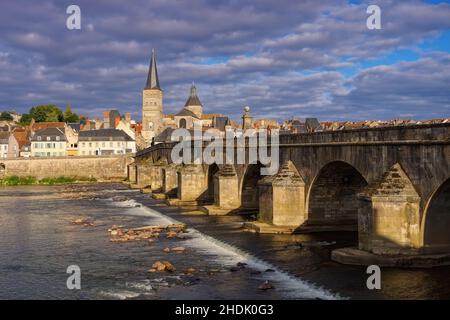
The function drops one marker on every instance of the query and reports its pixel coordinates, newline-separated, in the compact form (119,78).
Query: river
(38,242)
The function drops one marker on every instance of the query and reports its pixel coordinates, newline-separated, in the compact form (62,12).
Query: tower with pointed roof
(193,103)
(152,103)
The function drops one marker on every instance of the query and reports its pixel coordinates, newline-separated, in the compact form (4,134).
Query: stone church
(156,126)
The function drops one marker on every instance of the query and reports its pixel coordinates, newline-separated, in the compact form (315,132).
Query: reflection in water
(37,243)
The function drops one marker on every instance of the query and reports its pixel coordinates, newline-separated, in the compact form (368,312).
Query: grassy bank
(24,181)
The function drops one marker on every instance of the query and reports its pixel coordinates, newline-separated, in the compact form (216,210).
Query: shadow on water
(308,256)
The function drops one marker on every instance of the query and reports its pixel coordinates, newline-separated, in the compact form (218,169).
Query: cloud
(284,58)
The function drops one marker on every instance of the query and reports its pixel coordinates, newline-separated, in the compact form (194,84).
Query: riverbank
(27,181)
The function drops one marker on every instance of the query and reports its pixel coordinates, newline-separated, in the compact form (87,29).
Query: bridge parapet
(398,134)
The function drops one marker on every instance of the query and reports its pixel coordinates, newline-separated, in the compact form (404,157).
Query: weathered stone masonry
(393,183)
(100,167)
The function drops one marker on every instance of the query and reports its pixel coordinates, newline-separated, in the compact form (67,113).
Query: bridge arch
(249,192)
(212,170)
(436,221)
(333,194)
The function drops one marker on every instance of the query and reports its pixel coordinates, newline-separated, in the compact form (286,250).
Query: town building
(4,144)
(105,142)
(70,131)
(22,136)
(13,147)
(48,142)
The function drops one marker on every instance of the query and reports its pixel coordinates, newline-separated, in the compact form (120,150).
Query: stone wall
(103,168)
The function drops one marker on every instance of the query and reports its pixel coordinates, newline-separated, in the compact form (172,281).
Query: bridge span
(390,184)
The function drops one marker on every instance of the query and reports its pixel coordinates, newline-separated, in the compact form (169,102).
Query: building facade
(105,142)
(4,144)
(49,142)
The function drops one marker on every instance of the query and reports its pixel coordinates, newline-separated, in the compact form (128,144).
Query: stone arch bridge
(391,184)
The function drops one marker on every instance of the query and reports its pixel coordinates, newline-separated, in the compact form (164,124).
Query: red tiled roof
(45,125)
(22,137)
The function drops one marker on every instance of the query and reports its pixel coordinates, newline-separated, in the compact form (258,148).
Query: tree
(46,113)
(69,116)
(6,116)
(25,120)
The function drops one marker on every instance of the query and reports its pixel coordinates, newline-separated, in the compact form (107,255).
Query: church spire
(152,78)
(193,99)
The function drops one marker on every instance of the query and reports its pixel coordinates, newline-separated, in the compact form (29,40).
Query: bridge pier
(143,177)
(156,179)
(389,227)
(192,185)
(226,192)
(226,189)
(282,198)
(169,180)
(132,173)
(389,218)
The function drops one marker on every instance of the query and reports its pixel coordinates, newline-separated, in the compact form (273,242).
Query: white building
(105,142)
(4,144)
(49,142)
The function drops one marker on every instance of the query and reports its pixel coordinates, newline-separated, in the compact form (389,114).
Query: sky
(284,58)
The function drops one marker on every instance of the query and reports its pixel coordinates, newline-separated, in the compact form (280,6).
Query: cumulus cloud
(284,58)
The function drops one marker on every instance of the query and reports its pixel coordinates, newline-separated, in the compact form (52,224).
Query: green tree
(6,116)
(69,116)
(46,113)
(25,119)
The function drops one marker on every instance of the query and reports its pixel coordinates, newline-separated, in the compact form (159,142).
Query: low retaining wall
(103,168)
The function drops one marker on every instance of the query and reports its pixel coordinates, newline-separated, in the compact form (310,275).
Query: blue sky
(283,58)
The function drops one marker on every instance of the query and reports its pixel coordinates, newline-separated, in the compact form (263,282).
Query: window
(39,138)
(58,138)
(48,138)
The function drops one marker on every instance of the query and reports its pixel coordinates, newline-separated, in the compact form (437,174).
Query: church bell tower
(152,103)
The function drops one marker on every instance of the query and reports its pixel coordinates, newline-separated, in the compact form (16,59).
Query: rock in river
(163,266)
(266,286)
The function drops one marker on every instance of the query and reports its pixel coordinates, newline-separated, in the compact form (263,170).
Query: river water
(38,242)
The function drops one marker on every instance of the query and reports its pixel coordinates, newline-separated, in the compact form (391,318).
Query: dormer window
(57,138)
(39,138)
(48,138)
